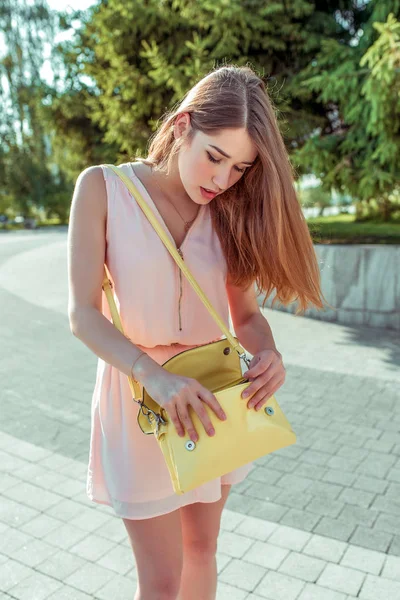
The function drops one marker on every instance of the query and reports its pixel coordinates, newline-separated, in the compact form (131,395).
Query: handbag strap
(176,256)
(107,285)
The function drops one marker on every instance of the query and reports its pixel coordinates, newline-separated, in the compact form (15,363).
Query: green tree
(315,197)
(356,149)
(143,55)
(25,178)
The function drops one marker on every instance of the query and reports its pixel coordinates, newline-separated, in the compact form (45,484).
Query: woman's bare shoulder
(90,192)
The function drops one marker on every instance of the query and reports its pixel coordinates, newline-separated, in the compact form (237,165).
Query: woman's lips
(207,194)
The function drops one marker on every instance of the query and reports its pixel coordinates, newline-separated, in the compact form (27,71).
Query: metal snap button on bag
(190,446)
(269,410)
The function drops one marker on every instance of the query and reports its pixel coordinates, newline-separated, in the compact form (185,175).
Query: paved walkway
(316,521)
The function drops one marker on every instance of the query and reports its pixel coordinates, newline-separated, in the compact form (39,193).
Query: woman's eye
(214,160)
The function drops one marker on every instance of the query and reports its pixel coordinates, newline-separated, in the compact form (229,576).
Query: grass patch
(342,229)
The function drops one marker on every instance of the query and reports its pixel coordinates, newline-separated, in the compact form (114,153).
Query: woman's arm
(86,252)
(251,327)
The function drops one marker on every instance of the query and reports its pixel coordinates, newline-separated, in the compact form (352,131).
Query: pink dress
(126,468)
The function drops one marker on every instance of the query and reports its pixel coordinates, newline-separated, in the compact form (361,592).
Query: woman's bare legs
(157,547)
(200,529)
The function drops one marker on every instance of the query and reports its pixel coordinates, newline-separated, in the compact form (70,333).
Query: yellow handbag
(244,436)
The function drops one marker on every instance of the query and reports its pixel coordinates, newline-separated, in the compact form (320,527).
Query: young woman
(219,181)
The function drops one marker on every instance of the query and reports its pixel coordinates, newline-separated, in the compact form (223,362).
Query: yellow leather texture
(246,435)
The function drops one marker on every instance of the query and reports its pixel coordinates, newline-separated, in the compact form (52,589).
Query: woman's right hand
(175,393)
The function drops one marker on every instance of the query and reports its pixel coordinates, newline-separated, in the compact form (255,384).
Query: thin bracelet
(134,362)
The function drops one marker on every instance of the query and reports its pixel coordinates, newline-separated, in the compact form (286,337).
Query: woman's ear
(182,125)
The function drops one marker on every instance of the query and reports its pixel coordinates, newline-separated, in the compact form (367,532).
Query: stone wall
(361,282)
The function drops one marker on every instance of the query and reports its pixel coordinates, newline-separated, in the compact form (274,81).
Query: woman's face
(201,165)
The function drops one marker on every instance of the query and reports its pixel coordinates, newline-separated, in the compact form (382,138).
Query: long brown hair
(259,220)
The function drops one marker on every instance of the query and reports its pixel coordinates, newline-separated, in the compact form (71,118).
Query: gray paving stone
(375,468)
(41,525)
(65,536)
(266,555)
(60,564)
(348,463)
(307,568)
(313,457)
(388,523)
(325,548)
(393,491)
(233,545)
(32,496)
(371,538)
(358,497)
(32,553)
(356,454)
(241,503)
(325,506)
(68,487)
(222,561)
(311,471)
(339,477)
(228,592)
(315,592)
(241,574)
(263,474)
(90,519)
(377,587)
(7,481)
(325,489)
(231,520)
(371,484)
(90,578)
(358,515)
(394,475)
(278,586)
(268,510)
(252,527)
(279,463)
(40,477)
(341,579)
(335,528)
(26,451)
(262,491)
(362,559)
(388,504)
(35,587)
(380,445)
(295,483)
(11,573)
(115,531)
(391,568)
(92,547)
(69,593)
(119,588)
(65,510)
(301,519)
(12,539)
(394,547)
(293,500)
(15,514)
(354,440)
(119,559)
(290,538)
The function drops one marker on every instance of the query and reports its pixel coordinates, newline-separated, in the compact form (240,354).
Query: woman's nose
(221,180)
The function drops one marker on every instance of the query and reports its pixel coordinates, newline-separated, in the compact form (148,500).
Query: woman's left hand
(266,373)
